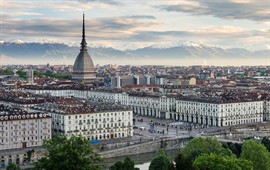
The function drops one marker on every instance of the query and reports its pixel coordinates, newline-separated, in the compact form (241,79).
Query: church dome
(83,63)
(83,68)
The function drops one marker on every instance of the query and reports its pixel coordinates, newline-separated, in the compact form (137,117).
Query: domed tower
(83,68)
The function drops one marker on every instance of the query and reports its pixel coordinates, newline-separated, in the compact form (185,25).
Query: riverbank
(147,147)
(141,160)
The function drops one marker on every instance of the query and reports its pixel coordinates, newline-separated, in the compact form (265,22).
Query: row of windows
(103,126)
(104,114)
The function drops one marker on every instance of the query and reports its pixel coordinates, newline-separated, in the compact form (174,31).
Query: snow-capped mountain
(25,50)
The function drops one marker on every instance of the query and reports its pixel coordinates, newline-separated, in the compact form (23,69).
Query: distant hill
(22,50)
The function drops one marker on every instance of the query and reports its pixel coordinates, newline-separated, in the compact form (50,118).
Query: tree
(266,143)
(29,154)
(38,74)
(208,145)
(214,161)
(234,147)
(62,76)
(128,164)
(183,163)
(74,153)
(161,162)
(13,166)
(257,154)
(6,71)
(22,74)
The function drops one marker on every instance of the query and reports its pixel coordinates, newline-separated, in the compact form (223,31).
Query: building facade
(219,114)
(20,129)
(91,121)
(224,113)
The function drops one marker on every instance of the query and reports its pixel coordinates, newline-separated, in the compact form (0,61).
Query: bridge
(153,146)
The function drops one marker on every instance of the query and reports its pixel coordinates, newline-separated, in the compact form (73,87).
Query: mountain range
(24,50)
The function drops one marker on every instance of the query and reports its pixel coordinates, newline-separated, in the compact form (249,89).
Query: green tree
(183,163)
(214,161)
(234,147)
(38,74)
(257,154)
(6,71)
(128,164)
(22,74)
(117,166)
(13,166)
(161,162)
(208,145)
(74,153)
(63,76)
(266,143)
(29,154)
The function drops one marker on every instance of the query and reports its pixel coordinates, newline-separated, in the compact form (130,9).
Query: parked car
(142,128)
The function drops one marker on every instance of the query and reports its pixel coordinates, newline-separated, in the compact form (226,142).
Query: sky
(132,24)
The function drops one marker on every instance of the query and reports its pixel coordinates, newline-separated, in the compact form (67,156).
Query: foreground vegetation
(52,75)
(23,74)
(76,153)
(210,154)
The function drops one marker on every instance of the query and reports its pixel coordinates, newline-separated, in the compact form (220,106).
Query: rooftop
(10,113)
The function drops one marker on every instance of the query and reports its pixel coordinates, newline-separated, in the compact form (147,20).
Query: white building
(216,113)
(91,120)
(266,115)
(30,76)
(20,129)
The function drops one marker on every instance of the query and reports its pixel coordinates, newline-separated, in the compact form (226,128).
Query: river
(141,161)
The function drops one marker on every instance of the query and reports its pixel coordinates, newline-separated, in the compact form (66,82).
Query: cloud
(110,2)
(18,8)
(210,32)
(227,9)
(4,59)
(131,24)
(224,36)
(23,8)
(142,16)
(111,28)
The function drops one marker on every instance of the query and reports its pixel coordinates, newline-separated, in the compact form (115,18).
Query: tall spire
(83,43)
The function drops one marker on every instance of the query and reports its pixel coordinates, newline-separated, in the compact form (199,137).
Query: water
(141,161)
(144,166)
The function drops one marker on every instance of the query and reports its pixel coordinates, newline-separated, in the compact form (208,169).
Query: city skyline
(131,25)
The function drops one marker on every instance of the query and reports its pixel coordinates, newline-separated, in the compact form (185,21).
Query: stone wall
(20,156)
(146,147)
